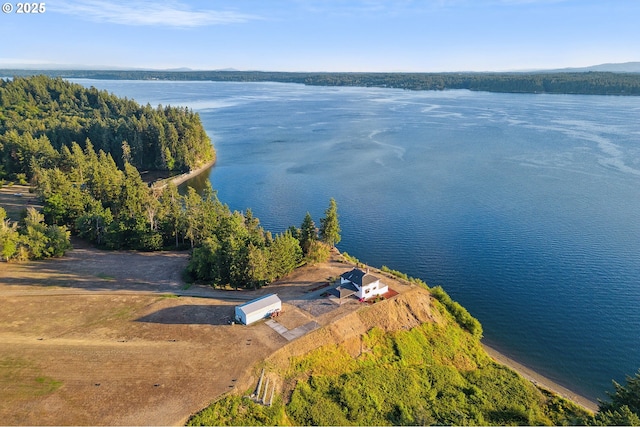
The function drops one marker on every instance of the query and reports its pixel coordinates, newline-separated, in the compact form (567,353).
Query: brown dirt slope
(404,311)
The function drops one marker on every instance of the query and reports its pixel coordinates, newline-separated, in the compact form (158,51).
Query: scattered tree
(330,227)
(624,406)
(308,233)
(8,236)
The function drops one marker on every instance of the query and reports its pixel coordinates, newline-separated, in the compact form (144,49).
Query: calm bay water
(525,208)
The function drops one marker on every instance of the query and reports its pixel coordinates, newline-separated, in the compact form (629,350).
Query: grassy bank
(434,373)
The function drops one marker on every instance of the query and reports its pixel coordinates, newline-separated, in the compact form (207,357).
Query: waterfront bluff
(405,360)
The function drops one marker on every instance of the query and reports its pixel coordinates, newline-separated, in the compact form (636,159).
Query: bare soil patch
(16,198)
(117,338)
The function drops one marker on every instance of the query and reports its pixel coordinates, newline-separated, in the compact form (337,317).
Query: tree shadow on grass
(211,314)
(89,268)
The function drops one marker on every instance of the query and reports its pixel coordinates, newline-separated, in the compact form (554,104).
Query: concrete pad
(277,327)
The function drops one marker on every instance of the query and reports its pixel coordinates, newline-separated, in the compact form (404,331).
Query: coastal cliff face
(402,361)
(403,312)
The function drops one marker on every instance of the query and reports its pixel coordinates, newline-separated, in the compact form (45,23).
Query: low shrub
(462,316)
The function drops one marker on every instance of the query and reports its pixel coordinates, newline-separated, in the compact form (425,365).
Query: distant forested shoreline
(577,83)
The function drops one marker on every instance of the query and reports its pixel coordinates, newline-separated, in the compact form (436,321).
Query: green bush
(395,273)
(239,411)
(350,259)
(462,316)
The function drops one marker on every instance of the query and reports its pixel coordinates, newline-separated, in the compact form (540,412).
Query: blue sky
(329,35)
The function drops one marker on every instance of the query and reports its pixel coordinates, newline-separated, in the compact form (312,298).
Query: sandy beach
(179,179)
(186,176)
(540,380)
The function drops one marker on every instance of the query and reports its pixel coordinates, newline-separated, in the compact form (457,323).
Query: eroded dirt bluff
(404,311)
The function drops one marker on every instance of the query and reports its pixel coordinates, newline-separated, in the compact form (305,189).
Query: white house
(258,309)
(367,285)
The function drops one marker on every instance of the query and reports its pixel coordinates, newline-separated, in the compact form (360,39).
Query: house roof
(344,291)
(259,303)
(359,277)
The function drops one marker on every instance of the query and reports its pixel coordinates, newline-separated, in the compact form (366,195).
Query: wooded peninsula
(578,83)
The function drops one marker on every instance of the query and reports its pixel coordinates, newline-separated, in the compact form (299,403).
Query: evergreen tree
(205,262)
(171,215)
(8,236)
(34,239)
(38,241)
(258,266)
(329,225)
(256,232)
(94,223)
(64,201)
(308,233)
(618,417)
(625,401)
(284,255)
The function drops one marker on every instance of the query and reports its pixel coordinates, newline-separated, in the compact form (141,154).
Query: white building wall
(258,309)
(380,289)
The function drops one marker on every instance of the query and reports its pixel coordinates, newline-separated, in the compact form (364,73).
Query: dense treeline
(31,238)
(238,252)
(114,208)
(584,83)
(40,115)
(81,148)
(85,191)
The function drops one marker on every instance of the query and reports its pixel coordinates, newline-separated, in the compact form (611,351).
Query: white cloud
(151,13)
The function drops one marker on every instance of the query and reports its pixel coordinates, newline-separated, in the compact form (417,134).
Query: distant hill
(625,67)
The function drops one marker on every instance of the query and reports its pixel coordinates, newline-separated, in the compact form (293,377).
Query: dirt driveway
(101,338)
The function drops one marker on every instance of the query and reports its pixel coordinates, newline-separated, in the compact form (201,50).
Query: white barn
(258,309)
(366,285)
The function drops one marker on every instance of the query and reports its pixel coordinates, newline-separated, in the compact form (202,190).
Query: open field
(103,338)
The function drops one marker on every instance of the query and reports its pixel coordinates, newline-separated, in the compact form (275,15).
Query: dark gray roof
(344,291)
(359,277)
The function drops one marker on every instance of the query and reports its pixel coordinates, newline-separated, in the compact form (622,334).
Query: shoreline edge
(179,179)
(541,381)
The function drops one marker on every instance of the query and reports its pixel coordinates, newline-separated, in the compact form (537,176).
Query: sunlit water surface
(525,208)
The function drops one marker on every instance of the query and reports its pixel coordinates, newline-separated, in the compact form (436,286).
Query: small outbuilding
(258,309)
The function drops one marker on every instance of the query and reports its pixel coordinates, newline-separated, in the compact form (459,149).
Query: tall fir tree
(308,233)
(329,225)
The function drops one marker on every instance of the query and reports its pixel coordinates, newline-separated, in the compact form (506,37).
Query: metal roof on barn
(259,303)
